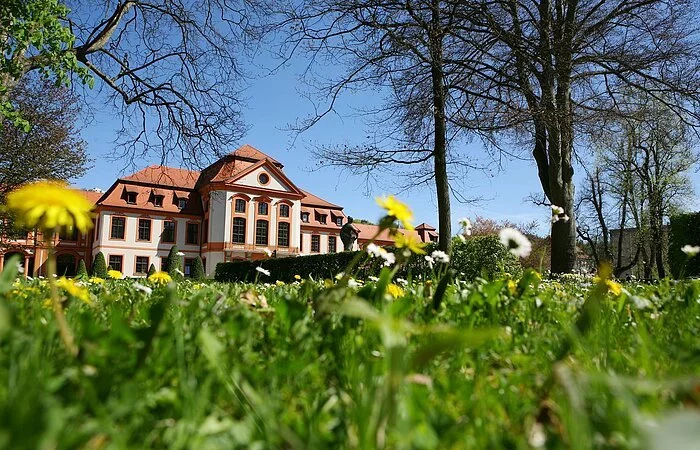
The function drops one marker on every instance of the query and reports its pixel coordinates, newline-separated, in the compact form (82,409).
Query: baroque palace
(241,207)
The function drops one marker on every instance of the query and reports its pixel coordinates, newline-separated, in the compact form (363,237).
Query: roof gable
(249,178)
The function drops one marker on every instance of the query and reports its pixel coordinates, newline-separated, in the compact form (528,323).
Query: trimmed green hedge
(479,256)
(685,230)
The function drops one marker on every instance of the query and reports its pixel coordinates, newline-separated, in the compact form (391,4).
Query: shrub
(197,269)
(99,266)
(685,230)
(82,270)
(316,266)
(483,256)
(173,263)
(152,270)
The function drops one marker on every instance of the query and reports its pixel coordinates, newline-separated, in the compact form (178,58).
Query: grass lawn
(316,364)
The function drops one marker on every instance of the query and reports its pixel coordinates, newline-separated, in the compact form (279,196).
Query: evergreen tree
(82,270)
(198,269)
(99,266)
(151,270)
(173,264)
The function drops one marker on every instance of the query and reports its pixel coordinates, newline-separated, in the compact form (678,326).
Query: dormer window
(322,218)
(182,203)
(339,221)
(305,217)
(158,201)
(131,198)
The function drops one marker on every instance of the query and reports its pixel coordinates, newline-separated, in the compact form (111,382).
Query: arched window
(261,228)
(283,234)
(238,235)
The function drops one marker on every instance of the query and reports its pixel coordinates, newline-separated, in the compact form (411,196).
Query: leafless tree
(407,50)
(171,69)
(549,69)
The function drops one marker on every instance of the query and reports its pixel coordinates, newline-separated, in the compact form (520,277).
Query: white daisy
(143,288)
(180,254)
(440,256)
(373,250)
(389,258)
(557,210)
(691,250)
(263,271)
(430,260)
(515,242)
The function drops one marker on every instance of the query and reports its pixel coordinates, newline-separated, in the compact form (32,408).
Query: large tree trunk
(440,140)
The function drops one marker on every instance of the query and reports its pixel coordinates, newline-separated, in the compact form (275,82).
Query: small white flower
(538,302)
(462,238)
(263,271)
(180,254)
(179,272)
(340,275)
(353,283)
(440,256)
(640,302)
(389,259)
(515,242)
(20,268)
(373,250)
(143,288)
(537,437)
(372,278)
(465,223)
(267,251)
(401,281)
(430,260)
(691,250)
(557,210)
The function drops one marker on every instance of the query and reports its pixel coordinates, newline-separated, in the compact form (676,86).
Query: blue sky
(274,101)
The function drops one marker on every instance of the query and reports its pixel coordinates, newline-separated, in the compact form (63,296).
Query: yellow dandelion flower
(279,283)
(512,287)
(96,280)
(398,210)
(72,289)
(160,277)
(409,242)
(49,205)
(115,274)
(613,287)
(394,291)
(297,277)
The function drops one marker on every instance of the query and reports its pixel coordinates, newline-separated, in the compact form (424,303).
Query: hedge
(479,256)
(685,230)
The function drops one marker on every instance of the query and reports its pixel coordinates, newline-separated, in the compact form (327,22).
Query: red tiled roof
(92,196)
(165,176)
(115,197)
(366,232)
(425,226)
(312,200)
(250,152)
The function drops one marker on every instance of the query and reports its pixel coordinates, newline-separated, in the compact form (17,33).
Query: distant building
(237,208)
(630,238)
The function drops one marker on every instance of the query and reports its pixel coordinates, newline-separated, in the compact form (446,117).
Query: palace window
(168,235)
(158,201)
(261,232)
(284,210)
(131,198)
(141,265)
(192,236)
(305,217)
(238,235)
(262,208)
(283,234)
(144,230)
(322,218)
(239,206)
(69,233)
(118,228)
(115,262)
(331,244)
(339,221)
(182,203)
(315,243)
